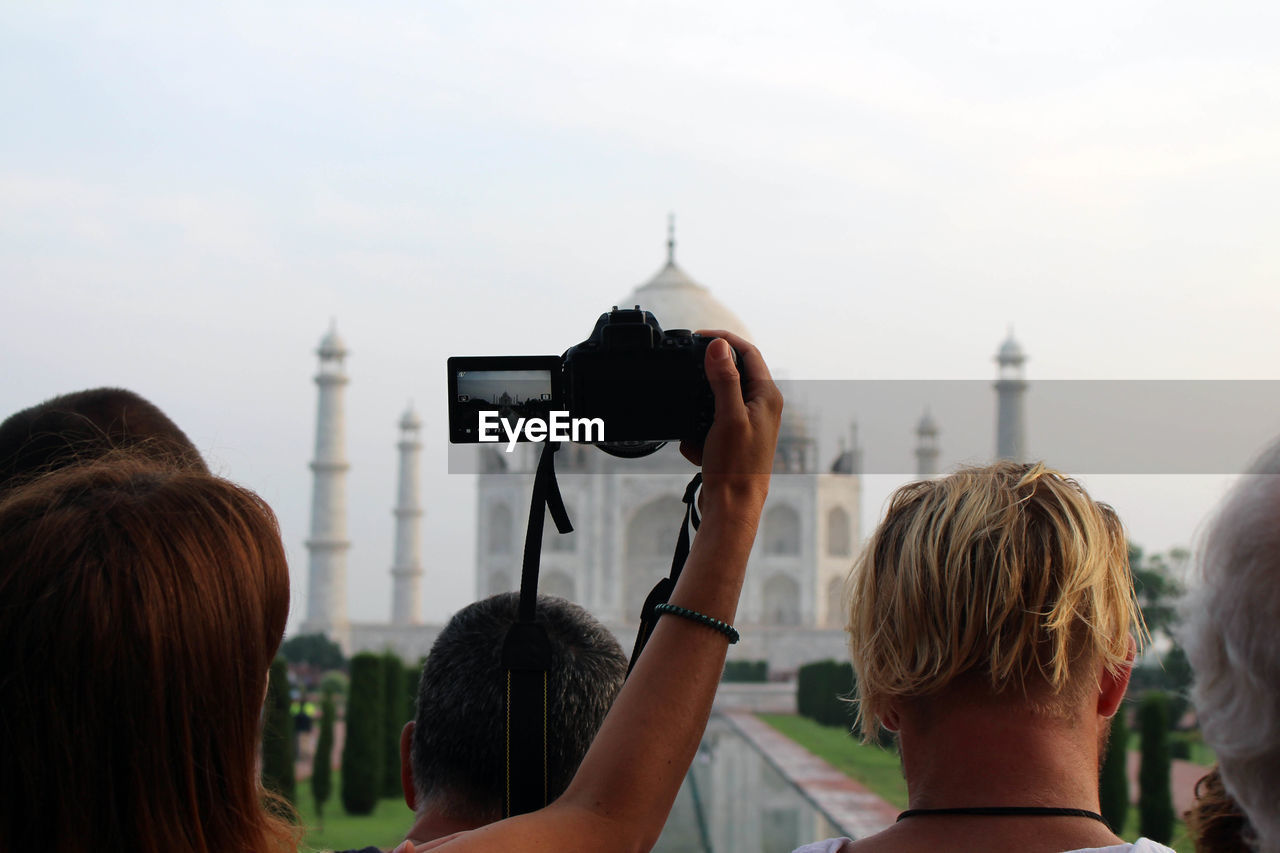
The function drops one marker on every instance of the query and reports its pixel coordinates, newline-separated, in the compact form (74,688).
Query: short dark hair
(85,426)
(458,735)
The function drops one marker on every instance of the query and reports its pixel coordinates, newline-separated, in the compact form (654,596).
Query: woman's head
(139,612)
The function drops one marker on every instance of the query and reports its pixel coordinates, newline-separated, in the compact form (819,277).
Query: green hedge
(1155,801)
(322,762)
(746,671)
(822,691)
(1113,790)
(277,734)
(393,703)
(363,751)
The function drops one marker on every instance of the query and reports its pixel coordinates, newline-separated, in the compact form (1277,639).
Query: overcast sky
(188,196)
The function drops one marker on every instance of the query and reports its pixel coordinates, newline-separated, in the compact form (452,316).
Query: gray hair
(457,750)
(1229,633)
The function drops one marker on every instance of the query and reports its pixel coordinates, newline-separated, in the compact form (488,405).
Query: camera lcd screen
(503,388)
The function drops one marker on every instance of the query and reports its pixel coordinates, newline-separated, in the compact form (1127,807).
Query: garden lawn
(385,828)
(869,764)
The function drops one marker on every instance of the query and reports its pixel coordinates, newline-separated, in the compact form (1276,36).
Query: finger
(725,381)
(753,365)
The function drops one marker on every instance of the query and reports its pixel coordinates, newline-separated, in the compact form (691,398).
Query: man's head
(456,748)
(1006,579)
(85,426)
(1229,633)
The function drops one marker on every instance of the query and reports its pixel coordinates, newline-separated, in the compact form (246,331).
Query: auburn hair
(140,610)
(1010,573)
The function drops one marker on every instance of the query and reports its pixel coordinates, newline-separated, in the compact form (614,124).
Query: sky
(190,195)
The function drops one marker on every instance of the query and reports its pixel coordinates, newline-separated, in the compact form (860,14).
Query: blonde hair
(1009,572)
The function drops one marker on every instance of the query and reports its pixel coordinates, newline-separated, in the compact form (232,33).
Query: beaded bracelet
(701,618)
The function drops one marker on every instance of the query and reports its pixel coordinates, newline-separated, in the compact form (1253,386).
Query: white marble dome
(679,302)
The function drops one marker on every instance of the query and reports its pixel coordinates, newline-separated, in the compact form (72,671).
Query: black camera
(628,388)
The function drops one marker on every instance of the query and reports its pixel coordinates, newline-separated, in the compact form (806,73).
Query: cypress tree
(1155,800)
(1113,789)
(322,762)
(411,678)
(362,753)
(277,734)
(393,722)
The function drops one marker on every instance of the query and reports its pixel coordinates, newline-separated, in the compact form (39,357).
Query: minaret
(1010,388)
(406,570)
(671,239)
(926,447)
(328,544)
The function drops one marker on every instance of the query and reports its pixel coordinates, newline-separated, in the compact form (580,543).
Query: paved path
(856,810)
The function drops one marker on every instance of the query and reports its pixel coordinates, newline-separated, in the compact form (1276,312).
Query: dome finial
(671,238)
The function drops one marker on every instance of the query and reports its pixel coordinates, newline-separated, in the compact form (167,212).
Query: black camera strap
(662,590)
(526,656)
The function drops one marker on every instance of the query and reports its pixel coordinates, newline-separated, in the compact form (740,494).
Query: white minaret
(328,544)
(926,446)
(1010,387)
(406,570)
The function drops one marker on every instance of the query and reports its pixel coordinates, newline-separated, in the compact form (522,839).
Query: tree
(1155,800)
(315,649)
(1177,681)
(1113,790)
(362,753)
(322,763)
(277,734)
(393,721)
(1156,583)
(411,679)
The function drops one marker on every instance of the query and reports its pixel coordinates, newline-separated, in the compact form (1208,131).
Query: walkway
(855,809)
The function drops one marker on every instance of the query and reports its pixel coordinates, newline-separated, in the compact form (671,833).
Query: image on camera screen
(512,393)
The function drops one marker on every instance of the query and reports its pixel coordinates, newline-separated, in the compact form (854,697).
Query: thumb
(725,382)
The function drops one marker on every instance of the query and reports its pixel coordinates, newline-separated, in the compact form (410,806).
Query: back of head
(1009,576)
(459,733)
(1229,633)
(142,609)
(85,425)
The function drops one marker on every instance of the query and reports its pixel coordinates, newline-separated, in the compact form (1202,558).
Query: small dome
(331,346)
(679,302)
(1010,351)
(410,419)
(927,425)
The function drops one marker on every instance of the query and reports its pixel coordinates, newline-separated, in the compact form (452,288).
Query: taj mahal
(625,513)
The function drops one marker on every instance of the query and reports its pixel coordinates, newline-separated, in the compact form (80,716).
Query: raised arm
(622,793)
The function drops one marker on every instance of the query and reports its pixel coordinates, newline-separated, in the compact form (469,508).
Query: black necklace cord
(1007,811)
(661,591)
(526,656)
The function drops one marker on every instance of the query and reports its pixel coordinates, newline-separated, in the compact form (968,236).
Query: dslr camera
(628,388)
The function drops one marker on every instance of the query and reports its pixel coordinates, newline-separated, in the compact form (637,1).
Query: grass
(384,828)
(880,771)
(874,767)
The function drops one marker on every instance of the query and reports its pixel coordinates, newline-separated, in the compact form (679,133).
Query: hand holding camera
(737,454)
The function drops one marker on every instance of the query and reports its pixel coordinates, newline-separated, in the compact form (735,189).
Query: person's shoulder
(829,845)
(1142,845)
(1146,845)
